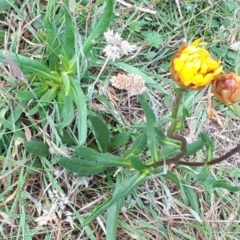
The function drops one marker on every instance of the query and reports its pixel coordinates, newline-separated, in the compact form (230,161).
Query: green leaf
(100,27)
(172,177)
(137,163)
(48,97)
(149,81)
(67,112)
(106,159)
(36,93)
(66,82)
(191,195)
(224,184)
(6,4)
(81,166)
(37,148)
(205,179)
(64,63)
(53,45)
(101,132)
(150,131)
(229,5)
(138,145)
(12,127)
(154,39)
(113,217)
(80,101)
(122,189)
(68,43)
(67,138)
(194,147)
(119,140)
(28,65)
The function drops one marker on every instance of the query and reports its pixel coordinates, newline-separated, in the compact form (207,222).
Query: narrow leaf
(81,166)
(28,65)
(136,163)
(53,45)
(5,4)
(68,44)
(119,140)
(122,189)
(151,120)
(100,27)
(191,195)
(107,159)
(138,145)
(101,132)
(37,148)
(208,142)
(113,219)
(194,147)
(80,101)
(224,184)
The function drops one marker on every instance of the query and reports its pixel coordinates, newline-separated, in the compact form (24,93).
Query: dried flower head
(116,46)
(226,87)
(112,38)
(193,67)
(133,83)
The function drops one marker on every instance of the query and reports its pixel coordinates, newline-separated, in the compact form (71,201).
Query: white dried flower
(127,48)
(112,38)
(59,200)
(112,52)
(46,217)
(235,46)
(116,46)
(133,83)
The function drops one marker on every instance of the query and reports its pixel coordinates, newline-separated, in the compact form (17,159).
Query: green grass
(57,102)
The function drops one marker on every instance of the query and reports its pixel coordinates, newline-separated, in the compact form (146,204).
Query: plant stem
(235,109)
(176,105)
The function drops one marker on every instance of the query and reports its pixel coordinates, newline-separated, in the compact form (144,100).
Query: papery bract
(226,87)
(192,67)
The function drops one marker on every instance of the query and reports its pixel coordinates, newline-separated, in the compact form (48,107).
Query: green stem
(235,109)
(176,105)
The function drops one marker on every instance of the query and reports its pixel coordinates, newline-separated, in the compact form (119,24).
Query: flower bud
(192,67)
(226,87)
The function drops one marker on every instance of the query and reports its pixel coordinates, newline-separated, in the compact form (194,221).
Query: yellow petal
(186,73)
(204,53)
(212,64)
(197,79)
(193,56)
(178,64)
(196,42)
(207,79)
(196,65)
(204,68)
(190,49)
(217,71)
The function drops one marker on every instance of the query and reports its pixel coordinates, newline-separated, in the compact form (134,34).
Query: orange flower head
(192,67)
(226,87)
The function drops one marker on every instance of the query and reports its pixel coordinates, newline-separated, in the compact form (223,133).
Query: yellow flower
(226,87)
(193,67)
